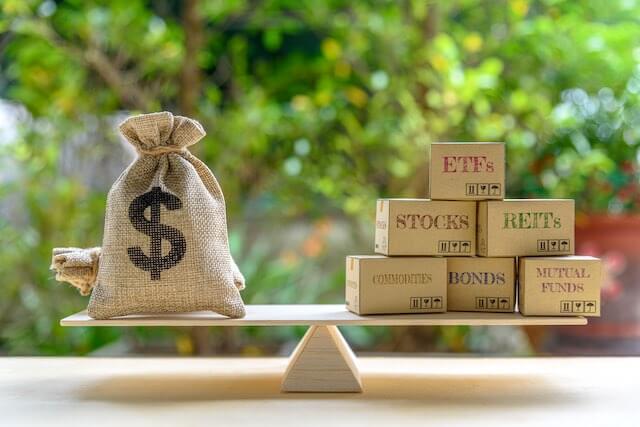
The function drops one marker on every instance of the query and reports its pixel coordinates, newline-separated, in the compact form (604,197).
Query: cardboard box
(379,285)
(559,286)
(526,227)
(425,227)
(467,171)
(481,284)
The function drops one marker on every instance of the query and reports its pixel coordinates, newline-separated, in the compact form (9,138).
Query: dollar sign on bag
(155,262)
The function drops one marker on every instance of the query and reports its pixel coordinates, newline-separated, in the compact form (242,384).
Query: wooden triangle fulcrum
(323,363)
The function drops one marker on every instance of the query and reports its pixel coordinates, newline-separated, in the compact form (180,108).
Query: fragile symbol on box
(483,189)
(567,306)
(454,246)
(417,303)
(553,245)
(492,303)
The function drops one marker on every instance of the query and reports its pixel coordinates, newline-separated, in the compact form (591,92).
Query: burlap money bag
(165,247)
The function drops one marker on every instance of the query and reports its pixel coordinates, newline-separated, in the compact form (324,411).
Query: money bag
(165,246)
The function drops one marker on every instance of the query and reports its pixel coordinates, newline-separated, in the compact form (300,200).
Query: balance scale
(322,362)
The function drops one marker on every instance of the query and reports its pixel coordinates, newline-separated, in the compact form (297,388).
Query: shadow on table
(487,390)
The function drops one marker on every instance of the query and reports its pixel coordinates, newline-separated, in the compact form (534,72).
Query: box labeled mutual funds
(379,285)
(425,227)
(559,286)
(526,227)
(481,284)
(467,171)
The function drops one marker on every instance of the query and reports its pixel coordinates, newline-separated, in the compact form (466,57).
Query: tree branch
(129,94)
(190,77)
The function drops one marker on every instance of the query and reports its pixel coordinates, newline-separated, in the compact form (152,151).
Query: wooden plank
(319,314)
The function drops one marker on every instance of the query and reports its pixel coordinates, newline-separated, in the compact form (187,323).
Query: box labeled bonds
(379,285)
(559,286)
(519,227)
(467,171)
(425,227)
(481,284)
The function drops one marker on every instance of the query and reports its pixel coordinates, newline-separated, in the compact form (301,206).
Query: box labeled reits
(481,284)
(425,227)
(379,285)
(467,171)
(520,227)
(559,286)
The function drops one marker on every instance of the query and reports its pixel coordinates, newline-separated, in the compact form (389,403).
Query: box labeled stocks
(381,285)
(481,284)
(526,227)
(467,171)
(425,227)
(559,286)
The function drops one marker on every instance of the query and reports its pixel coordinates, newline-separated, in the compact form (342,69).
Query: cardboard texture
(481,284)
(517,227)
(379,285)
(559,286)
(467,171)
(425,227)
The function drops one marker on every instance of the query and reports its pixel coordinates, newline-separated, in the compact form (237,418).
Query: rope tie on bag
(160,150)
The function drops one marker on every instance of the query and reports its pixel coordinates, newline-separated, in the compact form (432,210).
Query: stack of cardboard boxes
(466,247)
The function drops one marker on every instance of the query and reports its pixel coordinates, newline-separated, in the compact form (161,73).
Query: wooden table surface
(245,391)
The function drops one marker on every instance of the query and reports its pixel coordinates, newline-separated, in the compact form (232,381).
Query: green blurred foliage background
(313,110)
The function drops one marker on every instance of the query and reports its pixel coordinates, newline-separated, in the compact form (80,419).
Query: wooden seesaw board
(322,361)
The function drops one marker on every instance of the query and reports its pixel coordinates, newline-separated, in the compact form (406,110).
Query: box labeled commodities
(425,227)
(466,171)
(379,285)
(481,284)
(520,227)
(559,286)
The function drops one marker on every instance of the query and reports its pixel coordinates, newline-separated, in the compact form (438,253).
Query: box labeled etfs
(467,171)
